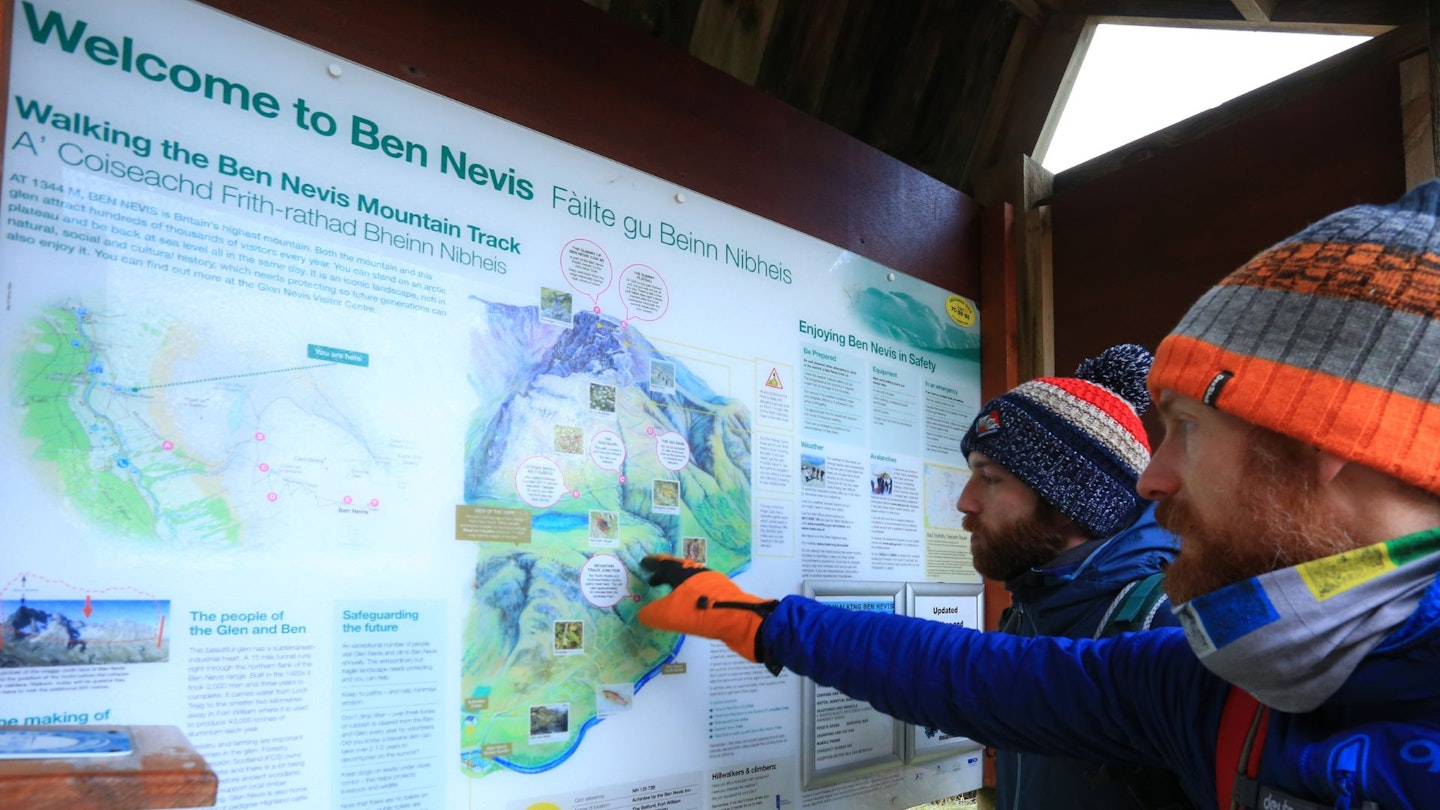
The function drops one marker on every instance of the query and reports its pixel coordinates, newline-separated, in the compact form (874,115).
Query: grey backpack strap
(1134,607)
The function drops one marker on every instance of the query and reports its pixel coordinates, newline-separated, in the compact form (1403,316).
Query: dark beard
(1006,552)
(1277,520)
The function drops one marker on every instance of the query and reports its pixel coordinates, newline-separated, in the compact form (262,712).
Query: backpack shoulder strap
(1243,723)
(1134,607)
(1132,610)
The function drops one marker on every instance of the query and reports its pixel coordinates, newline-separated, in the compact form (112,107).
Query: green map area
(153,427)
(543,658)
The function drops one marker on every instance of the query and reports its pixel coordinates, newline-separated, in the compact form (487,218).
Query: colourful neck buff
(1292,637)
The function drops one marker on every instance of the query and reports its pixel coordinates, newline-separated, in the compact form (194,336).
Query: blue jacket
(1073,601)
(1141,699)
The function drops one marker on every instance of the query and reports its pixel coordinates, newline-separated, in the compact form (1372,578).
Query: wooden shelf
(164,771)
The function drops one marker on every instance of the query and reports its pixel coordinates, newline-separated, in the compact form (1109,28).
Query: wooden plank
(865,51)
(1061,96)
(897,97)
(1170,9)
(1023,183)
(1305,27)
(985,157)
(671,21)
(998,374)
(1255,10)
(1019,112)
(1432,10)
(802,43)
(1033,11)
(1379,14)
(951,119)
(1417,122)
(1390,48)
(1035,278)
(999,325)
(164,771)
(732,34)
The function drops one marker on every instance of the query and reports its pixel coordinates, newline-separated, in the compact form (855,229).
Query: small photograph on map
(693,548)
(812,470)
(556,306)
(665,496)
(880,481)
(65,630)
(569,439)
(602,398)
(613,698)
(662,377)
(549,723)
(569,637)
(604,528)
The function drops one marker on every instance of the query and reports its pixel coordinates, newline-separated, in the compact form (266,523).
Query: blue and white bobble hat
(1077,441)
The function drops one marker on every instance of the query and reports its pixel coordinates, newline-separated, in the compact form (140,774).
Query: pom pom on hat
(1077,441)
(1122,369)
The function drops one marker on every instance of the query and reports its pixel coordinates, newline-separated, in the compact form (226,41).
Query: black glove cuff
(765,609)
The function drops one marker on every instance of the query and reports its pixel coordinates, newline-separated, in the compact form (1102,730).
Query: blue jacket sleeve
(1140,699)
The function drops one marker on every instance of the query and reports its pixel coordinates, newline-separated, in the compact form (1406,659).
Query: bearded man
(1052,512)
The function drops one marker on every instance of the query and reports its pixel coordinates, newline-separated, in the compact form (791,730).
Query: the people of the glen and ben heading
(1053,513)
(1300,468)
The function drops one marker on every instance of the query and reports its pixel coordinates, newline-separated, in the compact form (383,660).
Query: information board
(338,416)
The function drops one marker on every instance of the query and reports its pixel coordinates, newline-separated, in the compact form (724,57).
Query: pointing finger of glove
(668,570)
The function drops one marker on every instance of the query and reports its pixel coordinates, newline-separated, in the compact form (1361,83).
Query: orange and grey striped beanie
(1331,337)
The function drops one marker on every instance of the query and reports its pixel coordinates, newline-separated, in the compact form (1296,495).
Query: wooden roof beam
(1039,69)
(1255,10)
(1034,10)
(1319,16)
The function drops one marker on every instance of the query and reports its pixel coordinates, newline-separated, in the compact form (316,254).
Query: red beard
(1275,519)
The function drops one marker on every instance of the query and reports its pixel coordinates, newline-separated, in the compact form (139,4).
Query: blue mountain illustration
(528,372)
(900,317)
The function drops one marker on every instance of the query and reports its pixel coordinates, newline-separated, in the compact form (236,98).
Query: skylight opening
(1139,79)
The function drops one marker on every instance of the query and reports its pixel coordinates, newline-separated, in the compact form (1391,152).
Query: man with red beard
(1301,469)
(1052,512)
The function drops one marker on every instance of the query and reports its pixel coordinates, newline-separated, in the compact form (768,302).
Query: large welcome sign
(338,415)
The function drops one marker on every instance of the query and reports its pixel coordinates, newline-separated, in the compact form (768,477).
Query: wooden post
(1035,282)
(1432,8)
(998,358)
(1025,185)
(1417,121)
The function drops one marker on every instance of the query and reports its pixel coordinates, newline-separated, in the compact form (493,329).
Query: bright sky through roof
(1138,79)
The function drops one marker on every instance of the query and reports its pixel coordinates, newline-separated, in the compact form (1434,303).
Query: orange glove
(704,603)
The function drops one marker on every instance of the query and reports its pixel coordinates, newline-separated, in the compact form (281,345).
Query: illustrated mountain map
(544,657)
